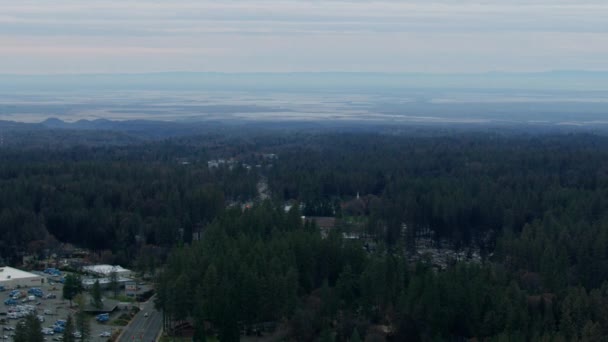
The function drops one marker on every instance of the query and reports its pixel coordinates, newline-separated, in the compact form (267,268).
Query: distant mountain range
(151,129)
(147,128)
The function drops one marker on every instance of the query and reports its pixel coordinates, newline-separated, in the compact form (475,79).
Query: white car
(146,314)
(47,331)
(105,334)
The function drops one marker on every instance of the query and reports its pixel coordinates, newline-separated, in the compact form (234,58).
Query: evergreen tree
(330,307)
(229,328)
(200,334)
(355,336)
(199,330)
(71,287)
(114,285)
(29,330)
(68,332)
(211,292)
(347,287)
(83,324)
(21,334)
(96,295)
(34,328)
(326,335)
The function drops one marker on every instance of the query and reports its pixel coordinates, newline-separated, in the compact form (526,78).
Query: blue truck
(104,317)
(36,292)
(10,301)
(59,326)
(52,271)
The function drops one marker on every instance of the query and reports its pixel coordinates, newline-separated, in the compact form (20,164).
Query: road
(143,328)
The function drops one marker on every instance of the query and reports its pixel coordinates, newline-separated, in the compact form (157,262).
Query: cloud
(139,17)
(258,35)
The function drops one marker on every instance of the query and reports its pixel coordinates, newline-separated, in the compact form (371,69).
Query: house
(325,223)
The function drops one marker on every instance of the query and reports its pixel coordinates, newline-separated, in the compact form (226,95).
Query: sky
(456,36)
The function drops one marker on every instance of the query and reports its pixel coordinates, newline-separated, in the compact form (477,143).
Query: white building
(11,278)
(104,283)
(106,270)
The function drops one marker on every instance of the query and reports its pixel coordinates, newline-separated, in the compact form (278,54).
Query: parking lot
(50,310)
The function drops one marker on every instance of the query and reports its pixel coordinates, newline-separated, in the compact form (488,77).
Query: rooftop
(105,269)
(108,306)
(9,273)
(323,222)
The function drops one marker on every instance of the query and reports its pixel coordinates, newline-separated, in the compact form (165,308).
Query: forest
(534,204)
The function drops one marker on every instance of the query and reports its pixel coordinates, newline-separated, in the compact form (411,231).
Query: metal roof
(9,273)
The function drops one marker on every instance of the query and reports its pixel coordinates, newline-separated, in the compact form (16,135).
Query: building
(325,223)
(11,278)
(131,288)
(106,270)
(104,283)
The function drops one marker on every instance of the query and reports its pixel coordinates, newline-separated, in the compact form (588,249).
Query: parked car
(48,331)
(103,317)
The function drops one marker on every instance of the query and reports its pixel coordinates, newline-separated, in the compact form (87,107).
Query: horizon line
(253,73)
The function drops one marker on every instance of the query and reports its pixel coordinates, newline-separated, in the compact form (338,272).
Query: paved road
(143,328)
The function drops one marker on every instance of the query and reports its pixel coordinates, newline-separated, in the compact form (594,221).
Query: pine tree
(347,286)
(71,287)
(210,286)
(326,335)
(96,295)
(29,330)
(20,333)
(199,330)
(68,332)
(114,285)
(34,328)
(82,320)
(355,336)
(229,328)
(200,335)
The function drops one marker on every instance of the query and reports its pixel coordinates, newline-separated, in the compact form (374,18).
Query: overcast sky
(124,36)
